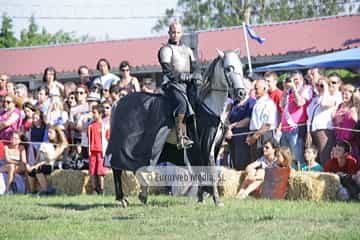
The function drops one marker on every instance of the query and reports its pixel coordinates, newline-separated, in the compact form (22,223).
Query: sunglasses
(107,107)
(334,82)
(320,85)
(125,70)
(266,147)
(71,98)
(7,101)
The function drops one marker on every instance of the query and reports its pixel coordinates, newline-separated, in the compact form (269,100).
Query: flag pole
(247,48)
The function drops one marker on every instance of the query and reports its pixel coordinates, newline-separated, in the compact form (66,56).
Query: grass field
(97,217)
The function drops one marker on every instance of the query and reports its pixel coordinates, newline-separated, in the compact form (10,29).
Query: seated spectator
(284,157)
(310,164)
(21,91)
(49,79)
(10,118)
(341,162)
(127,81)
(48,153)
(255,171)
(15,161)
(70,102)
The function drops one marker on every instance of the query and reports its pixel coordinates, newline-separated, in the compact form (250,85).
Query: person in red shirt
(274,92)
(341,162)
(96,159)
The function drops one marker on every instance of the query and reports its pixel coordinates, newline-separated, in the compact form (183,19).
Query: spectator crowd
(308,122)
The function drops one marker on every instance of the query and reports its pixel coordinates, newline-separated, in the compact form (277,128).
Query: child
(96,133)
(310,164)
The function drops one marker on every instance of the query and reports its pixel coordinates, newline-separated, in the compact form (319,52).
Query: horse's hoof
(124,203)
(143,197)
(219,204)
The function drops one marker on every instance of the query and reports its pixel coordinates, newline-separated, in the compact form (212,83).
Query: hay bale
(69,182)
(230,181)
(313,186)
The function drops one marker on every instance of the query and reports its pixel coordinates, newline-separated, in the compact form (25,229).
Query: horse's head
(233,73)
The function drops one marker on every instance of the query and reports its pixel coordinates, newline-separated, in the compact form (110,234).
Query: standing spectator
(36,135)
(48,153)
(239,123)
(43,101)
(56,114)
(255,171)
(319,124)
(294,101)
(50,80)
(84,76)
(21,92)
(314,74)
(106,79)
(335,86)
(3,80)
(10,88)
(263,119)
(107,114)
(29,110)
(10,118)
(114,93)
(96,134)
(149,86)
(128,82)
(274,92)
(15,160)
(70,101)
(310,164)
(69,87)
(346,116)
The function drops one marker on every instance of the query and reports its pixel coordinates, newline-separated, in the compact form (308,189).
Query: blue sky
(114,19)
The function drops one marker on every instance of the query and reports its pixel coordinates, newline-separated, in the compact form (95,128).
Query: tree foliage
(7,38)
(205,14)
(33,35)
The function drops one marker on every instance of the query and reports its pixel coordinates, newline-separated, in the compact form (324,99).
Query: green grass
(96,217)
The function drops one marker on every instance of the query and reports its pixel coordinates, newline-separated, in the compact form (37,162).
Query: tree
(205,14)
(32,37)
(7,38)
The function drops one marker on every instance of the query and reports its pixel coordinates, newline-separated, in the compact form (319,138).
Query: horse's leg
(212,164)
(119,194)
(142,178)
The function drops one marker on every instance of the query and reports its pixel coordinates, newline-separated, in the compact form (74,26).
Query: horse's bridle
(230,84)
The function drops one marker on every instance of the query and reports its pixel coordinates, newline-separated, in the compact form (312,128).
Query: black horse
(141,123)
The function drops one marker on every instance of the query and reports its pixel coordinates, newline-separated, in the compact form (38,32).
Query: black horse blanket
(140,126)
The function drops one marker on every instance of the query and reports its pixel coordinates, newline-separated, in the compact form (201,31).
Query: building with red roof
(285,41)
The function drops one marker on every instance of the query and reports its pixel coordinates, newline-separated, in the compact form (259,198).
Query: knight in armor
(180,69)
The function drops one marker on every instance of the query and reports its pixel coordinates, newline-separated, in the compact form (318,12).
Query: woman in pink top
(10,118)
(346,116)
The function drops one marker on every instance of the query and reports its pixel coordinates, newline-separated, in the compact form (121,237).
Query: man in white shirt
(263,118)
